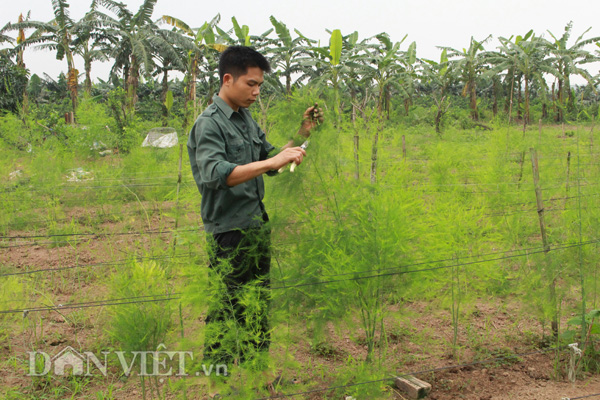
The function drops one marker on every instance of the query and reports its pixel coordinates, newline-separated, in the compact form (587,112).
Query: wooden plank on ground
(414,388)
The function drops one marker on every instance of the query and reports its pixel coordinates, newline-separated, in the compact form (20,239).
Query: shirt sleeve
(211,155)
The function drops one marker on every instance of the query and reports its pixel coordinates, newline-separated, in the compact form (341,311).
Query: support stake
(177,198)
(540,210)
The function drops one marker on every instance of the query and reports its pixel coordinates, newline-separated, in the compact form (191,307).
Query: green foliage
(335,47)
(11,296)
(13,133)
(117,104)
(13,83)
(141,326)
(92,133)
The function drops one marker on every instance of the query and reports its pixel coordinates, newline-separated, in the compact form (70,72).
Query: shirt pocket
(257,145)
(236,151)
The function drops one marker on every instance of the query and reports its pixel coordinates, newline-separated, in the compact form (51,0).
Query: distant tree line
(359,74)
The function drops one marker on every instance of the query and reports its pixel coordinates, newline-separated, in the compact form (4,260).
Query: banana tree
(239,35)
(171,61)
(4,38)
(384,66)
(55,35)
(287,54)
(136,40)
(204,46)
(12,85)
(471,65)
(408,77)
(438,77)
(325,68)
(567,61)
(524,58)
(91,45)
(19,51)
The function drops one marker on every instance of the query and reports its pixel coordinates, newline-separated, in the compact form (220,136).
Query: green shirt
(220,140)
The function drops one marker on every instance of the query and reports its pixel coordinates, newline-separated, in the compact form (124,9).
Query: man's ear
(227,79)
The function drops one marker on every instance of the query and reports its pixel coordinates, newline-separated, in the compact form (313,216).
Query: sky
(429,23)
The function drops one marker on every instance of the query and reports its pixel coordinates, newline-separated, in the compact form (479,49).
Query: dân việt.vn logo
(86,363)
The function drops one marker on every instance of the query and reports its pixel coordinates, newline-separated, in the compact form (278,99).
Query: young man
(229,154)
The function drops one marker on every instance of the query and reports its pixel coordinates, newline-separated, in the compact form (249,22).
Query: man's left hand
(312,117)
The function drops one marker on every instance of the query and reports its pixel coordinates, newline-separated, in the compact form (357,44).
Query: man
(229,154)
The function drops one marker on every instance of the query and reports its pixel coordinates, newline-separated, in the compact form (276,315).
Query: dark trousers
(237,319)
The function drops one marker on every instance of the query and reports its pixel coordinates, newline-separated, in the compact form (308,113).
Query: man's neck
(226,100)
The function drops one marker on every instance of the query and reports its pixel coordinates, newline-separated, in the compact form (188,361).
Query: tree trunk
(526,116)
(87,86)
(544,110)
(512,96)
(356,137)
(473,100)
(519,114)
(560,105)
(388,102)
(439,115)
(571,96)
(72,84)
(288,84)
(495,94)
(163,96)
(375,144)
(374,154)
(132,83)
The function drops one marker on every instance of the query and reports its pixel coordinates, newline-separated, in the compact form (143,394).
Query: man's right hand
(287,156)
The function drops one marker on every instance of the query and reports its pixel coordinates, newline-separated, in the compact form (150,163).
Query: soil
(419,334)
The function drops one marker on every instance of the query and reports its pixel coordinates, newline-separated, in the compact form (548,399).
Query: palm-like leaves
(567,60)
(136,41)
(55,35)
(287,54)
(471,65)
(438,77)
(523,59)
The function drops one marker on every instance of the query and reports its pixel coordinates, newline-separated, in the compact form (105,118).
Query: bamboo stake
(540,129)
(521,162)
(568,172)
(540,208)
(177,198)
(592,137)
(403,147)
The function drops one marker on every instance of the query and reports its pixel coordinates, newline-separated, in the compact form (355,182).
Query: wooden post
(522,162)
(540,210)
(540,129)
(356,160)
(177,198)
(414,388)
(69,118)
(592,138)
(403,147)
(538,197)
(568,172)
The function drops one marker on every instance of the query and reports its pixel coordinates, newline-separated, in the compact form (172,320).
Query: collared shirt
(220,140)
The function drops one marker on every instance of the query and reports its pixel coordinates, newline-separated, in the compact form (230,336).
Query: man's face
(244,90)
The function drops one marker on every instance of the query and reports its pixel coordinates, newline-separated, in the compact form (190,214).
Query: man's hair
(236,60)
